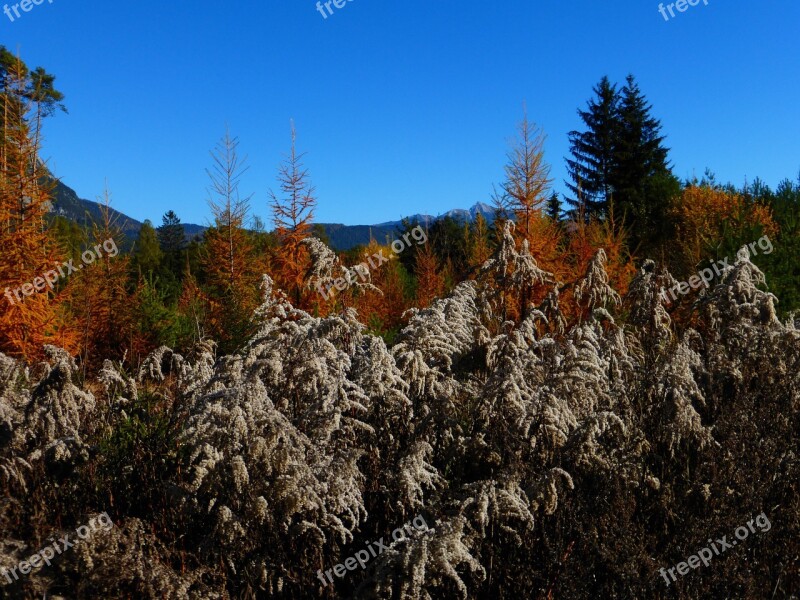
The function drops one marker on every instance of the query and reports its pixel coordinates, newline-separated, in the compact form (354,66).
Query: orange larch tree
(528,180)
(231,277)
(100,302)
(293,213)
(430,276)
(32,311)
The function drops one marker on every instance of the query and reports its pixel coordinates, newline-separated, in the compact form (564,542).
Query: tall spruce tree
(172,241)
(641,180)
(171,237)
(553,208)
(621,158)
(592,162)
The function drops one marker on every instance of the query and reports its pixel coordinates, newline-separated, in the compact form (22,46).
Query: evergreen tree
(69,235)
(593,152)
(408,258)
(448,242)
(147,256)
(553,208)
(172,241)
(641,180)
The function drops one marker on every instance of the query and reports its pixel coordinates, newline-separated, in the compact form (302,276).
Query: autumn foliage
(27,248)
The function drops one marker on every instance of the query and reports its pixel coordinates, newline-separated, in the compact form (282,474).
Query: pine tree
(172,241)
(593,152)
(448,242)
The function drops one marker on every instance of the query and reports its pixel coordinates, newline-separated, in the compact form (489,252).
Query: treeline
(172,291)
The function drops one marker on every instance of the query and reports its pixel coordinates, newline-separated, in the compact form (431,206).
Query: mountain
(481,208)
(345,237)
(66,203)
(458,214)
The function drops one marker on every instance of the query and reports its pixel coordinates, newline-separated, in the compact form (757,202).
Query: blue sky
(403,106)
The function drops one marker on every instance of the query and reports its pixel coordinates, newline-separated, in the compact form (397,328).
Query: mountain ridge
(68,204)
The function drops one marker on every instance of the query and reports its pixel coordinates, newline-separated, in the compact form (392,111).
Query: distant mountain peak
(479,208)
(342,237)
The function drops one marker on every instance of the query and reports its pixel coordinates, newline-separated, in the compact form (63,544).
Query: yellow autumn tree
(430,276)
(701,214)
(479,246)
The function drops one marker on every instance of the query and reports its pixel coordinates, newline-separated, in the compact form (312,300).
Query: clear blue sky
(403,106)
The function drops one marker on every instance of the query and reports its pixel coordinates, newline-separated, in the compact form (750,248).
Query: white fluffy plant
(13,397)
(510,271)
(742,340)
(326,269)
(424,567)
(647,302)
(436,338)
(678,425)
(277,437)
(274,445)
(304,363)
(41,429)
(738,321)
(517,398)
(46,424)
